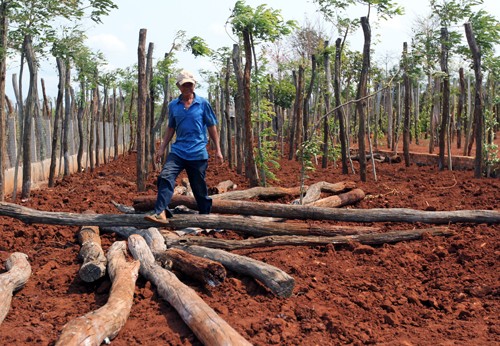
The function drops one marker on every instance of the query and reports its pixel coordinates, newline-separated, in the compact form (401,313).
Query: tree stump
(18,273)
(208,327)
(104,323)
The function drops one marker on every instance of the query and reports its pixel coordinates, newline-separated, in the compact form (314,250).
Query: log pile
(161,254)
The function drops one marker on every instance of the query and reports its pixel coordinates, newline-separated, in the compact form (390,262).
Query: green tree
(252,26)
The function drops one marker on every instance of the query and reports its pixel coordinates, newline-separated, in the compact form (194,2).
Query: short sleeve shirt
(191,127)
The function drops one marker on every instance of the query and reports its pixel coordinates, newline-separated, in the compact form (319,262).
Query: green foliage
(307,154)
(284,93)
(267,156)
(385,8)
(198,47)
(263,23)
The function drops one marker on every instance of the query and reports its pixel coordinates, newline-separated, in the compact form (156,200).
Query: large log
(18,273)
(336,201)
(314,191)
(367,239)
(208,327)
(104,323)
(30,216)
(94,261)
(279,282)
(201,269)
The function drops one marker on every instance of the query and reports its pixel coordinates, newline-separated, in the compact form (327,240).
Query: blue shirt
(191,127)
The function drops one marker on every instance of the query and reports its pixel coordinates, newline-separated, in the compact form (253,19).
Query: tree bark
(18,273)
(105,323)
(367,239)
(208,327)
(32,216)
(279,282)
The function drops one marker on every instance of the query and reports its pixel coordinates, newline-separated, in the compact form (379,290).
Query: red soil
(434,291)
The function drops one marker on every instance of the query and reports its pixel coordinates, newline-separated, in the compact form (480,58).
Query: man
(189,117)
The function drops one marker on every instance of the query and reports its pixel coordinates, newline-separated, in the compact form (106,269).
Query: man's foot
(168,213)
(157,218)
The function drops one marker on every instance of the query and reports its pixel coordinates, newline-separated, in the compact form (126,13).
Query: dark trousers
(195,170)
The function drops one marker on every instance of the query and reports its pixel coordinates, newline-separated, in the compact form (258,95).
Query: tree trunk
(142,91)
(279,282)
(31,109)
(4,27)
(80,115)
(348,198)
(445,108)
(105,323)
(91,254)
(340,111)
(250,167)
(199,268)
(327,95)
(461,119)
(406,127)
(30,216)
(18,273)
(208,327)
(271,241)
(67,118)
(478,101)
(239,108)
(362,90)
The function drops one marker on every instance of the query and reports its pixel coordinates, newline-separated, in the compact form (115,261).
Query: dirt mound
(433,291)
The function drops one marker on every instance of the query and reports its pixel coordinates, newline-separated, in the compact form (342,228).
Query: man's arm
(214,136)
(169,134)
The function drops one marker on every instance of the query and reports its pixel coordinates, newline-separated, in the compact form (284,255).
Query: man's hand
(218,157)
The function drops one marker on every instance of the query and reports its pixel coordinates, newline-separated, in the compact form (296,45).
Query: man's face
(186,88)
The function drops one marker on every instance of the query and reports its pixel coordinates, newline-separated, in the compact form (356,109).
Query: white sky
(117,38)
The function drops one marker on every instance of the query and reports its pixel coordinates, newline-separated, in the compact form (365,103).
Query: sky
(117,37)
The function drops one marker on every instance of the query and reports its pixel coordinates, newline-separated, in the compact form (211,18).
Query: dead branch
(367,239)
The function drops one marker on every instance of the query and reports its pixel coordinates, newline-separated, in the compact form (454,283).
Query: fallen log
(152,236)
(142,202)
(222,187)
(208,327)
(105,323)
(367,239)
(314,191)
(341,200)
(30,216)
(18,273)
(91,254)
(279,282)
(201,269)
